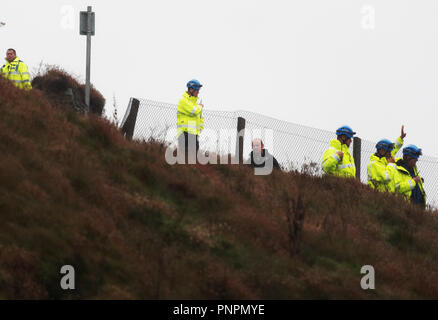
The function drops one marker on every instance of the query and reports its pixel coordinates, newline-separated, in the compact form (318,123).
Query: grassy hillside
(73,191)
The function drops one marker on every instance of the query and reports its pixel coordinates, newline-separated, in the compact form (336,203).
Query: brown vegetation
(55,82)
(74,191)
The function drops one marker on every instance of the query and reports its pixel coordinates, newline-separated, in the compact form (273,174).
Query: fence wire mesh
(294,146)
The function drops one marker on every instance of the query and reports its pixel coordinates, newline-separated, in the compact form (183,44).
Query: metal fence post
(129,125)
(240,138)
(357,147)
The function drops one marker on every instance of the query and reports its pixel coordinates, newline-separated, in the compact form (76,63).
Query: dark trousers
(188,146)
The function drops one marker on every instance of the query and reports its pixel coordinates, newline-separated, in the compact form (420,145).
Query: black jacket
(266,154)
(416,196)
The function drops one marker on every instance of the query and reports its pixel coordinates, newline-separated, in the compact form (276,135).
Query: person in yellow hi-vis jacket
(337,159)
(16,70)
(405,176)
(190,122)
(379,174)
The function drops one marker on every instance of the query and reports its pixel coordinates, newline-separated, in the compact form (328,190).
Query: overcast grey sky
(321,63)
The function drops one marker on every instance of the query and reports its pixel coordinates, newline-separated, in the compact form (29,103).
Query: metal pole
(357,150)
(129,125)
(239,138)
(87,81)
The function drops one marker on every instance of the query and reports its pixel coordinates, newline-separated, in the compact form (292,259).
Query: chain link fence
(296,147)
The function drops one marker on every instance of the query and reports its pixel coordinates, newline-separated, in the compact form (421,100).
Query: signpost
(87,27)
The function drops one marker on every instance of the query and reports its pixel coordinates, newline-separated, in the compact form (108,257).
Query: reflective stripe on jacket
(401,179)
(17,72)
(332,164)
(403,182)
(379,174)
(189,115)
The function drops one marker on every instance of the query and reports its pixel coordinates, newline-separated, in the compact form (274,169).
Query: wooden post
(240,138)
(357,147)
(129,125)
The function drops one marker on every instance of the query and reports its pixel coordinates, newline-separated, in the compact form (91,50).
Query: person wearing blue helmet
(337,159)
(406,178)
(190,122)
(379,174)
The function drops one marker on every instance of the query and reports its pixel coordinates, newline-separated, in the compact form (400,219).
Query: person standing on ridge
(406,178)
(379,174)
(16,70)
(190,123)
(260,156)
(337,159)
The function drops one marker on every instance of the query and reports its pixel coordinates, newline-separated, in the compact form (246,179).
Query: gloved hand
(403,133)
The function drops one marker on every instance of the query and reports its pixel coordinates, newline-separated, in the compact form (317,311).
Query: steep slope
(73,191)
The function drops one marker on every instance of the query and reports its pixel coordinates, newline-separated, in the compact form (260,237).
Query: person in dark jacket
(409,162)
(261,158)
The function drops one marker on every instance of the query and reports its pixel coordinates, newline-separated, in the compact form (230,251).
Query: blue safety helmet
(195,84)
(385,144)
(412,151)
(345,130)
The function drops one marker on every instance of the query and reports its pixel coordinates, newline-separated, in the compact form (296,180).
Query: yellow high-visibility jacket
(189,115)
(379,174)
(17,72)
(332,164)
(402,180)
